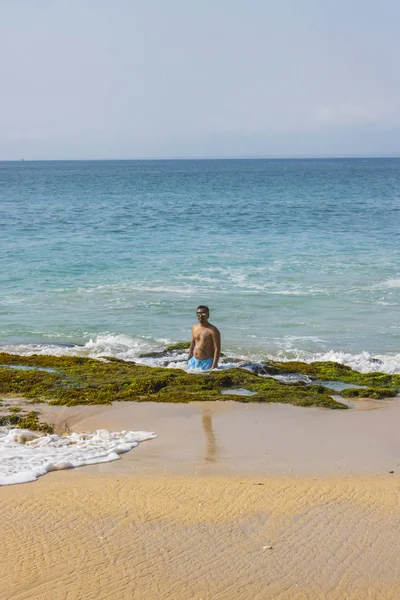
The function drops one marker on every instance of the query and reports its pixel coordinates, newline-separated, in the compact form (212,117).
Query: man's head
(202,313)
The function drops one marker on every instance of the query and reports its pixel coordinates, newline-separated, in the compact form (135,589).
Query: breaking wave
(131,348)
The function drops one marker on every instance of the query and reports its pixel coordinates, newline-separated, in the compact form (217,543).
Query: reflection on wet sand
(211,444)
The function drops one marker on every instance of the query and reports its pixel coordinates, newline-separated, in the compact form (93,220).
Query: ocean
(295,258)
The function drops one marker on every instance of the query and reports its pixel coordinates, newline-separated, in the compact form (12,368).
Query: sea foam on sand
(25,455)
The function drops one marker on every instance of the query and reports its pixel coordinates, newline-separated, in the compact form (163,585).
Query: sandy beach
(231,501)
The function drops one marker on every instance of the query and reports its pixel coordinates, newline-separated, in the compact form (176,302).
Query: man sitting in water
(206,342)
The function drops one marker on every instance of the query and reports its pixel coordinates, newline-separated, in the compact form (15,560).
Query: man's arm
(191,347)
(216,336)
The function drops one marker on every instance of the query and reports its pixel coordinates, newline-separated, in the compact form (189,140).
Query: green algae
(27,421)
(168,351)
(78,380)
(116,360)
(14,409)
(337,372)
(374,393)
(27,383)
(179,347)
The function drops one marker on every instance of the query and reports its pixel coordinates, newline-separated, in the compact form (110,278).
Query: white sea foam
(130,348)
(10,300)
(117,346)
(392,283)
(25,456)
(199,278)
(363,362)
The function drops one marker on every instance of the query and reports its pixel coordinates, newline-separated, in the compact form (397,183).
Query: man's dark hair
(203,307)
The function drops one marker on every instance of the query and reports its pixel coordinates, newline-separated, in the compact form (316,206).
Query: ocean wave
(199,278)
(225,280)
(392,283)
(139,287)
(130,348)
(364,362)
(217,281)
(6,301)
(114,345)
(25,456)
(383,303)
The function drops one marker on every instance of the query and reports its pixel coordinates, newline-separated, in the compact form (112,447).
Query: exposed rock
(374,393)
(168,351)
(78,380)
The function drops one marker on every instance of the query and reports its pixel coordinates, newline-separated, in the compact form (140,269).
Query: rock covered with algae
(71,380)
(337,372)
(29,421)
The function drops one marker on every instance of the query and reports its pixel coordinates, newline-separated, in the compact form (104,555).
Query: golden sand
(73,535)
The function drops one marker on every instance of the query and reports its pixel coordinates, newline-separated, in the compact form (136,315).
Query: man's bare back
(206,339)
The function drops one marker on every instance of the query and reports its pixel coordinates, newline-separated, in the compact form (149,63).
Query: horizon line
(205,158)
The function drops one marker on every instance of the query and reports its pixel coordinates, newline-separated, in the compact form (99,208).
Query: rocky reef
(70,380)
(332,371)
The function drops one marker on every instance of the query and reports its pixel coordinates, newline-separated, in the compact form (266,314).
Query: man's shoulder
(214,328)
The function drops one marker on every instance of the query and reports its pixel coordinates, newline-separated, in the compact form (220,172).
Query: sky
(127,79)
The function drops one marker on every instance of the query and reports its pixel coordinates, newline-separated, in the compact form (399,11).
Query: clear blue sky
(216,78)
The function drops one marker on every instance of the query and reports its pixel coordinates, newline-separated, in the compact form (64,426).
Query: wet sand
(220,438)
(231,502)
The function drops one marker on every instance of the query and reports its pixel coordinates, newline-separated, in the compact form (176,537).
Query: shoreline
(227,437)
(221,438)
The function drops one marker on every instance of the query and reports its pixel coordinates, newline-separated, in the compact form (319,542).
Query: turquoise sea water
(294,257)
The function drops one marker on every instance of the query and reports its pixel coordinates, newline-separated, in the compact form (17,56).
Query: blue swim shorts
(204,365)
